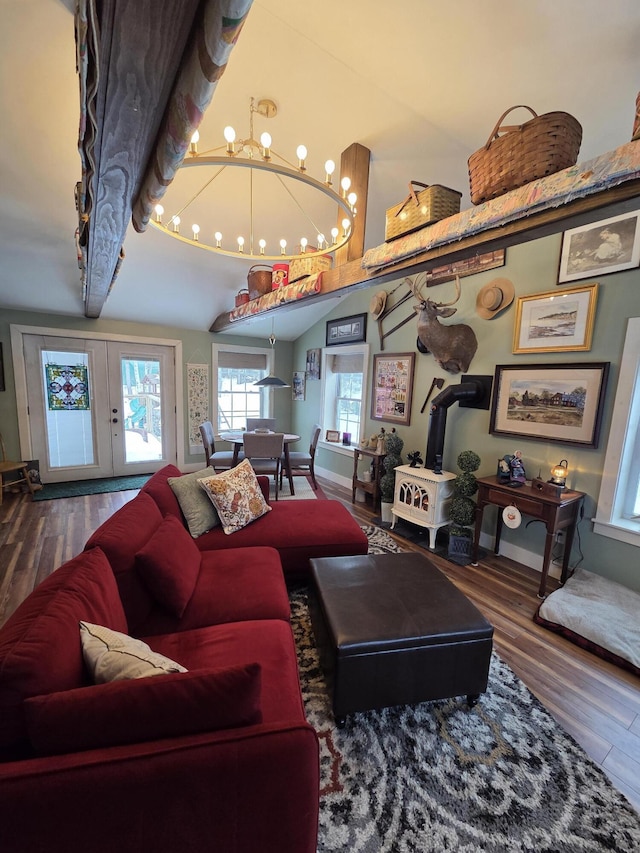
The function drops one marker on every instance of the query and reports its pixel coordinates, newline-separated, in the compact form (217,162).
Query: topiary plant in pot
(462,508)
(393,449)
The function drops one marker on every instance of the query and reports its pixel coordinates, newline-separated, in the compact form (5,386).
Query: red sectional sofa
(216,758)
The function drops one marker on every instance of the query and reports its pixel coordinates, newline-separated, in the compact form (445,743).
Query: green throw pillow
(200,514)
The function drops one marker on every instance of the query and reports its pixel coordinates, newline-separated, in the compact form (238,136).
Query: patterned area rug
(435,777)
(77,488)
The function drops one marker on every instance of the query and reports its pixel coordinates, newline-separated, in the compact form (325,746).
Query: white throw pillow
(111,656)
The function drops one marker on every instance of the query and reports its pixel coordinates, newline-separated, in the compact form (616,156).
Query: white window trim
(217,348)
(609,521)
(346,349)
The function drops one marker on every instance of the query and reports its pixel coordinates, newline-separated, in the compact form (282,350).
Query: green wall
(533,268)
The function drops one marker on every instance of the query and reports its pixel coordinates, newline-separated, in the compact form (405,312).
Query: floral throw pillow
(236,495)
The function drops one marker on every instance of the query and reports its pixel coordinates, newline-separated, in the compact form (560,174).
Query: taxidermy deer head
(453,346)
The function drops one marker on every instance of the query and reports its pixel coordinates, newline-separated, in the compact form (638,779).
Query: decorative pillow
(236,495)
(111,656)
(199,513)
(134,711)
(169,565)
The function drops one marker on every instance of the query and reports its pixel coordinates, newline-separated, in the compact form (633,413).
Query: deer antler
(415,286)
(457,296)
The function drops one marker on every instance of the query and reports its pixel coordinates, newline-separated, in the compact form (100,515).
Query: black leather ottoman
(391,629)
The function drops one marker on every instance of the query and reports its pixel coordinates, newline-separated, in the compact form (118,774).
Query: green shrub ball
(466,484)
(462,511)
(468,461)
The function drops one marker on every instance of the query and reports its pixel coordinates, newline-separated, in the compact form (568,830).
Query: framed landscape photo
(347,330)
(558,321)
(549,402)
(604,247)
(392,387)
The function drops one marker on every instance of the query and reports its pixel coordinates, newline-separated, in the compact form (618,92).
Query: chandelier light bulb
(345,226)
(241,244)
(193,147)
(320,240)
(301,153)
(303,244)
(218,237)
(329,168)
(263,245)
(352,198)
(159,209)
(265,141)
(196,230)
(230,137)
(334,234)
(283,247)
(345,183)
(176,224)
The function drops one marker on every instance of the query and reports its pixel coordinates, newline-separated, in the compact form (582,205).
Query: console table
(371,487)
(558,513)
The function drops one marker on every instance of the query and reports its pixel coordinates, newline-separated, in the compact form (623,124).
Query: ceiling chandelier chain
(259,157)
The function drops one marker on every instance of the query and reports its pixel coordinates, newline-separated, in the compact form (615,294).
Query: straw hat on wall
(378,303)
(494,297)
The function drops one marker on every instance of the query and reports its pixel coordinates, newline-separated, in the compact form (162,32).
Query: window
(618,513)
(344,376)
(235,370)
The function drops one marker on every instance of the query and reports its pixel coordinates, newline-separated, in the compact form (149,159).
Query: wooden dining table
(235,437)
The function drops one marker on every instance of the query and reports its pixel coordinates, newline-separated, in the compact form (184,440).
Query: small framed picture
(559,321)
(347,330)
(332,435)
(298,385)
(608,246)
(313,363)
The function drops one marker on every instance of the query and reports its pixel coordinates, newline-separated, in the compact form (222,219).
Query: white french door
(99,408)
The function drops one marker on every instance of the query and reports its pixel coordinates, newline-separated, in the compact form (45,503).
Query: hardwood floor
(596,702)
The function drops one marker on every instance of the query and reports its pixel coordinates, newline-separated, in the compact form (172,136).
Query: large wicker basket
(421,208)
(541,146)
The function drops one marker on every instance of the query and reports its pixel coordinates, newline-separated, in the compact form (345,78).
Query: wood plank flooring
(596,702)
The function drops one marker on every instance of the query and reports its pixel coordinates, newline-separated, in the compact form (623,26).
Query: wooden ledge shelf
(352,276)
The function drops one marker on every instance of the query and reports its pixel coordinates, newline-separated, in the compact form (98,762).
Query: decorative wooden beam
(354,162)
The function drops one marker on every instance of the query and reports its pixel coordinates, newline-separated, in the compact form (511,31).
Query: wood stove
(422,497)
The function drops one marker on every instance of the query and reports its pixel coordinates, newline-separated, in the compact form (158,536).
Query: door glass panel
(68,416)
(142,408)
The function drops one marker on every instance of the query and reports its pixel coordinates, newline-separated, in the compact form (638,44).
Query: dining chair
(18,472)
(301,462)
(265,452)
(220,460)
(261,423)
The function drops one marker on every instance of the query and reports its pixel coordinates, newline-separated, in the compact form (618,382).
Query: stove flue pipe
(468,391)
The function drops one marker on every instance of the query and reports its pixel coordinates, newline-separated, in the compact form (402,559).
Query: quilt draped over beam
(583,179)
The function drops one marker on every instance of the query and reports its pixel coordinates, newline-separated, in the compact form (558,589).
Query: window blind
(242,360)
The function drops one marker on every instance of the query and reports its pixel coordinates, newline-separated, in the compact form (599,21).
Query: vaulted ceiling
(420,84)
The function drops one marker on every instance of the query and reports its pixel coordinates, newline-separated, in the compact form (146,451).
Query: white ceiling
(420,84)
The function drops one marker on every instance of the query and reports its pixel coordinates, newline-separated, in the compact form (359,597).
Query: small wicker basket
(422,208)
(313,262)
(541,146)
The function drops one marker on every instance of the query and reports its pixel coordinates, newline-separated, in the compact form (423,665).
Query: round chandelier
(320,225)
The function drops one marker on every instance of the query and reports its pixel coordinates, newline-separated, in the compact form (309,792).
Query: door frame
(20,375)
